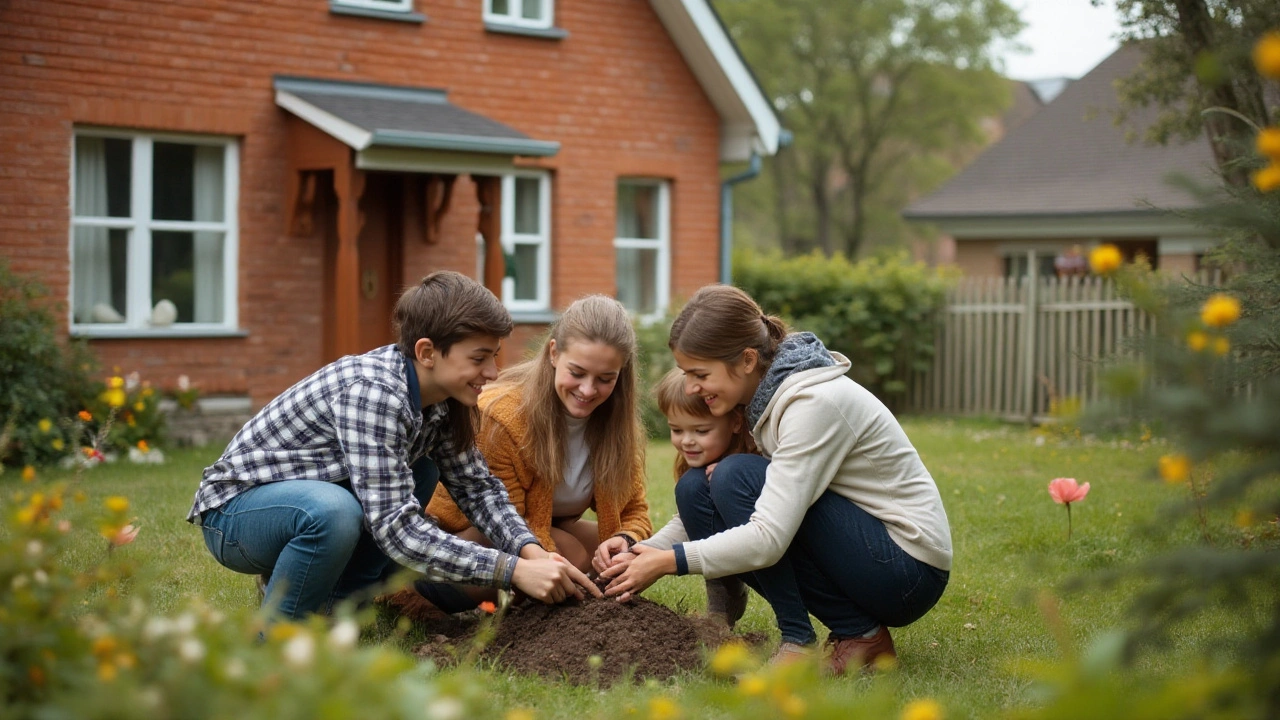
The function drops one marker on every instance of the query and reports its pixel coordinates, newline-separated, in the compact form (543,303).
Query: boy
(324,487)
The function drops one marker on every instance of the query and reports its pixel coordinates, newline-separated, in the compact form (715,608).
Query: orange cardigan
(502,439)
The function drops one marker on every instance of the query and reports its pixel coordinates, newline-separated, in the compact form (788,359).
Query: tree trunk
(782,191)
(1225,133)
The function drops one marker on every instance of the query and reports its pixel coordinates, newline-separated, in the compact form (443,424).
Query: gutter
(726,216)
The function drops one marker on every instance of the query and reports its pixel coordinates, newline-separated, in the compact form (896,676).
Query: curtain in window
(91,255)
(209,202)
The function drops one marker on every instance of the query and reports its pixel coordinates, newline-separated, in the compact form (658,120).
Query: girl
(839,518)
(701,440)
(562,431)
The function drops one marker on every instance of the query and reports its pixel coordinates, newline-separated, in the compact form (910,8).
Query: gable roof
(1071,159)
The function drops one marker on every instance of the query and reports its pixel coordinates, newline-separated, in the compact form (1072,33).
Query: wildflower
(1244,519)
(57,444)
(184,383)
(1266,179)
(104,646)
(488,607)
(1197,340)
(123,536)
(730,658)
(300,650)
(1221,346)
(1266,55)
(117,504)
(344,635)
(281,632)
(115,383)
(752,685)
(1105,259)
(36,675)
(793,706)
(191,650)
(1175,468)
(663,708)
(132,380)
(234,669)
(519,714)
(1268,142)
(1220,310)
(445,707)
(106,672)
(142,446)
(1065,491)
(922,709)
(114,397)
(35,549)
(147,391)
(45,425)
(28,473)
(85,415)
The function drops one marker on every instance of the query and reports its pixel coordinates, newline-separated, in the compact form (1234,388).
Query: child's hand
(631,577)
(710,469)
(607,550)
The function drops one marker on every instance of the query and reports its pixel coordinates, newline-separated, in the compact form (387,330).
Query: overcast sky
(1066,38)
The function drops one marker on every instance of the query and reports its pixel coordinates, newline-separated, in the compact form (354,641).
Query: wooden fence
(1008,347)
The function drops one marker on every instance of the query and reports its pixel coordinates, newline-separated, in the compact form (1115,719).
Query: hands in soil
(631,577)
(551,579)
(607,551)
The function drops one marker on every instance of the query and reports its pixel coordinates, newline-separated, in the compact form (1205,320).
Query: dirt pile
(641,637)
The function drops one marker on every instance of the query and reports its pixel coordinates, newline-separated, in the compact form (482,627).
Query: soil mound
(640,639)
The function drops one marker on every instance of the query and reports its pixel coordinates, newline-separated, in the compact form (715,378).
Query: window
(524,13)
(1016,263)
(153,233)
(387,5)
(642,246)
(526,241)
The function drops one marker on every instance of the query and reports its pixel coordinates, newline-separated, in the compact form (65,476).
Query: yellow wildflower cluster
(38,507)
(1175,468)
(1219,311)
(922,709)
(1105,259)
(1266,57)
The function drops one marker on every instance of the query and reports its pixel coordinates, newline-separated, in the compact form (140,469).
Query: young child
(324,487)
(701,440)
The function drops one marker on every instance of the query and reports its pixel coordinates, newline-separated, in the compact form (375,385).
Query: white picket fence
(1008,347)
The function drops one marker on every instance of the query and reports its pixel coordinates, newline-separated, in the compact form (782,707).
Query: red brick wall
(616,94)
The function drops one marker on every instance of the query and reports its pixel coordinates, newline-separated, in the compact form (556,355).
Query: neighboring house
(1070,178)
(236,191)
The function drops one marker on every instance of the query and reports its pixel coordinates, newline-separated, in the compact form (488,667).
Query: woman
(562,431)
(838,519)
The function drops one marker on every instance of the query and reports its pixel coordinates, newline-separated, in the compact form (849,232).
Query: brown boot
(859,653)
(727,599)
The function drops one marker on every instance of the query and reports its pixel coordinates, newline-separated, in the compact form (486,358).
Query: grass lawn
(1010,542)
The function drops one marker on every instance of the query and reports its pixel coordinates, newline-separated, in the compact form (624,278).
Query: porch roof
(368,115)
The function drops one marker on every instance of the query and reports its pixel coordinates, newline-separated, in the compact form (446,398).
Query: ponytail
(720,322)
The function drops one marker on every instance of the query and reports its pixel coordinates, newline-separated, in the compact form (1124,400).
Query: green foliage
(41,378)
(126,412)
(880,312)
(655,361)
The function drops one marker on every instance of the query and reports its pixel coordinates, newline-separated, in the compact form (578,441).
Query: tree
(1197,56)
(873,91)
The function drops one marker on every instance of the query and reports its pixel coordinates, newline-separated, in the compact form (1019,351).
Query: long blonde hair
(613,435)
(672,398)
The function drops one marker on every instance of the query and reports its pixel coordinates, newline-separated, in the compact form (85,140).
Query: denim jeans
(308,536)
(842,567)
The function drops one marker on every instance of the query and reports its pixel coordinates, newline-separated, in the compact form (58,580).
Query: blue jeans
(308,536)
(842,567)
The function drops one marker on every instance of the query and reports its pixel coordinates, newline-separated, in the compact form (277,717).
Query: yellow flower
(1244,519)
(922,709)
(730,658)
(1105,259)
(106,672)
(1221,346)
(752,685)
(1266,55)
(114,397)
(143,446)
(104,646)
(1267,179)
(117,504)
(793,706)
(147,391)
(45,425)
(116,382)
(1268,142)
(663,708)
(84,415)
(519,714)
(58,444)
(1175,468)
(283,631)
(28,474)
(139,406)
(1197,340)
(1220,310)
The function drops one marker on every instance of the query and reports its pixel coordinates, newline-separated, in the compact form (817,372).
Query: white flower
(184,383)
(132,381)
(234,669)
(191,650)
(34,548)
(344,635)
(156,628)
(300,650)
(19,582)
(40,577)
(445,708)
(185,623)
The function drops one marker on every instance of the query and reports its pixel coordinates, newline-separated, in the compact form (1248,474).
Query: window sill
(551,33)
(416,18)
(140,333)
(533,317)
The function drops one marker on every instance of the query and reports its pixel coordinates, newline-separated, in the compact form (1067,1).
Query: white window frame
(541,240)
(662,243)
(515,16)
(140,224)
(400,6)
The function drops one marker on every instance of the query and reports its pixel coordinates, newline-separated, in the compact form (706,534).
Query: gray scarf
(797,352)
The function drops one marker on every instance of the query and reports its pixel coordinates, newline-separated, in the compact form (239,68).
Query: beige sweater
(822,431)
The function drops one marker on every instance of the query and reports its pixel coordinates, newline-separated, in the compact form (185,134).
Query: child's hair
(672,398)
(447,307)
(613,435)
(720,322)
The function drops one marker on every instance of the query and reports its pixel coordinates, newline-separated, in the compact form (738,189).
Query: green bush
(41,379)
(655,361)
(880,312)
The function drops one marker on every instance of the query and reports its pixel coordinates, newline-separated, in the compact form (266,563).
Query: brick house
(1070,178)
(236,191)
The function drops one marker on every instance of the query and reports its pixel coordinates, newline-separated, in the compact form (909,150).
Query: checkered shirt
(359,419)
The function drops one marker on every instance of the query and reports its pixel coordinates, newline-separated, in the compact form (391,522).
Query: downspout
(726,216)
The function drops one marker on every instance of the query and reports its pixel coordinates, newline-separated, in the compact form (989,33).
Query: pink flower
(1065,491)
(124,536)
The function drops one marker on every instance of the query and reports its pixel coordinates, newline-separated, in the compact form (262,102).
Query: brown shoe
(726,599)
(789,652)
(860,652)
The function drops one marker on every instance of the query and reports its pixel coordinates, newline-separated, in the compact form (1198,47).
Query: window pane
(528,202)
(98,262)
(187,182)
(524,267)
(637,211)
(499,7)
(638,279)
(532,10)
(186,270)
(103,176)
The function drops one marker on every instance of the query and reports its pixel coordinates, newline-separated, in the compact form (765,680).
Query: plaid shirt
(361,419)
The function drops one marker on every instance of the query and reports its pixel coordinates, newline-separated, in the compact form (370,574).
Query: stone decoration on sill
(164,313)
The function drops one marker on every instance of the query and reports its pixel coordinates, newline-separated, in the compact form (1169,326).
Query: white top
(823,431)
(575,492)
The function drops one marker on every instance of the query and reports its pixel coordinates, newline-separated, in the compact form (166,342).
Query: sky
(1066,38)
